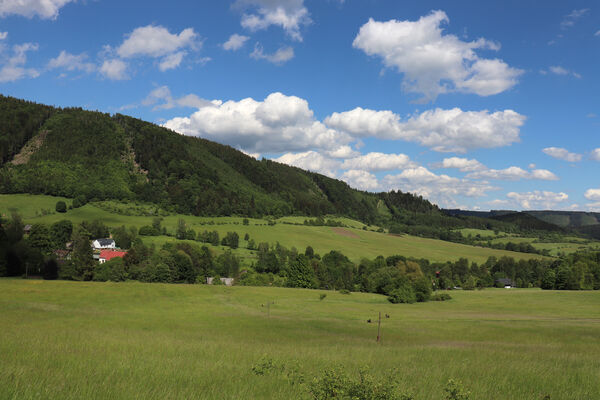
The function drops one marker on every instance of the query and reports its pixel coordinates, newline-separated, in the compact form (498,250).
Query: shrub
(403,294)
(455,391)
(344,291)
(148,230)
(441,297)
(61,207)
(322,296)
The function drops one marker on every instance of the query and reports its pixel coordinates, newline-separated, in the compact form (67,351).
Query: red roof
(110,254)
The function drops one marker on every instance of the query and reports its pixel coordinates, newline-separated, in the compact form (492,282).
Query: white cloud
(13,67)
(311,161)
(462,164)
(596,154)
(155,41)
(362,180)
(288,14)
(45,9)
(277,124)
(235,42)
(442,130)
(571,18)
(562,154)
(378,162)
(71,62)
(592,194)
(171,61)
(441,189)
(281,56)
(162,99)
(558,70)
(513,174)
(343,152)
(537,199)
(114,69)
(434,63)
(3,35)
(597,33)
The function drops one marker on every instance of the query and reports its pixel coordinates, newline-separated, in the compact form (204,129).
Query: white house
(100,244)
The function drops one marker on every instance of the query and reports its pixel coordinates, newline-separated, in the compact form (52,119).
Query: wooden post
(379,328)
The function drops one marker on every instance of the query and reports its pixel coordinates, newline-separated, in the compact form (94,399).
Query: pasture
(74,340)
(353,241)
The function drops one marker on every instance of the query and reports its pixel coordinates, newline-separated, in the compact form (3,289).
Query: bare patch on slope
(30,148)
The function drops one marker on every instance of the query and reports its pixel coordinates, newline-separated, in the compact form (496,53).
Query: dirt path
(345,232)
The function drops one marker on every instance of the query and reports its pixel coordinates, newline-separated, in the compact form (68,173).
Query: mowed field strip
(75,340)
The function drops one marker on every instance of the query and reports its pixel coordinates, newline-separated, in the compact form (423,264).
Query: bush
(455,391)
(61,207)
(403,294)
(344,291)
(148,230)
(441,297)
(322,296)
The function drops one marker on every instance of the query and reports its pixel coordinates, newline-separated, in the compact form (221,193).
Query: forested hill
(94,156)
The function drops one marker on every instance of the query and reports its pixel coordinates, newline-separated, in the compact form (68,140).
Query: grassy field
(353,242)
(74,340)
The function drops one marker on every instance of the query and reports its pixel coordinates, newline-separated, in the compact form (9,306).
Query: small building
(104,244)
(505,283)
(225,281)
(107,255)
(27,229)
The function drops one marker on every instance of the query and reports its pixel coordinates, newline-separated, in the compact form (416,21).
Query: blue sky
(478,105)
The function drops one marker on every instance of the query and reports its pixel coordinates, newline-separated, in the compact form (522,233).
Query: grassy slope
(73,340)
(323,239)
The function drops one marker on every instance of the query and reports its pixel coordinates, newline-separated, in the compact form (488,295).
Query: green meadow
(84,340)
(353,241)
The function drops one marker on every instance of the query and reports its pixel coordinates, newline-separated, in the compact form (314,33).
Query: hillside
(95,156)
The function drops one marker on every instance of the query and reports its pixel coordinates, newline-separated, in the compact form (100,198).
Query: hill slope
(72,152)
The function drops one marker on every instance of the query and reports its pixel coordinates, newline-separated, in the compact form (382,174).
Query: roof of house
(110,254)
(105,242)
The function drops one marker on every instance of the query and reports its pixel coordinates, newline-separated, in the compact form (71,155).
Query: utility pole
(379,328)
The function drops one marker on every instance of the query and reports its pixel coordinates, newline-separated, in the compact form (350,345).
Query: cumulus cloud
(570,19)
(378,162)
(114,69)
(311,161)
(592,194)
(360,180)
(597,33)
(71,62)
(162,99)
(3,35)
(442,130)
(13,67)
(157,42)
(235,42)
(462,164)
(562,154)
(277,124)
(434,63)
(45,9)
(441,189)
(537,199)
(290,15)
(596,154)
(281,56)
(513,174)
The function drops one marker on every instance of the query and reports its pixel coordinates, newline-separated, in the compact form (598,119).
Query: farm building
(107,255)
(505,283)
(100,244)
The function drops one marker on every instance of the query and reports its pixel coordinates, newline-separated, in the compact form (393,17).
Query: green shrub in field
(345,291)
(322,296)
(335,384)
(403,294)
(455,391)
(441,297)
(61,207)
